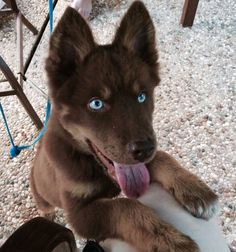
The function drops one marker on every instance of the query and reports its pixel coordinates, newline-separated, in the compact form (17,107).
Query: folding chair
(20,20)
(17,86)
(18,90)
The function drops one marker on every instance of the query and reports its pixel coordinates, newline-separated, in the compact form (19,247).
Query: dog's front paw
(197,198)
(201,207)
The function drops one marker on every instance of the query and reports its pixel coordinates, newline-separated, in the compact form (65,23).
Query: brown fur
(66,173)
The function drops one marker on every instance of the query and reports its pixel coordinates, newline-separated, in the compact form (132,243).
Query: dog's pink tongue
(133,179)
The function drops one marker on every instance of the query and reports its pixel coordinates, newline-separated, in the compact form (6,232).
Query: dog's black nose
(141,150)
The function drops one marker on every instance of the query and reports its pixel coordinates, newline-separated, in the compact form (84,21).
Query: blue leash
(50,7)
(15,150)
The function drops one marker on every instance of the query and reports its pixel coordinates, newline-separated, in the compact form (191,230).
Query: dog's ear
(137,33)
(70,43)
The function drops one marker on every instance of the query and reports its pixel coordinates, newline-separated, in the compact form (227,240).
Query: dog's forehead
(105,59)
(114,69)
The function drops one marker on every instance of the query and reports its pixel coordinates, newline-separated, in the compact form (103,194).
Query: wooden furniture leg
(189,11)
(19,43)
(17,90)
(14,9)
(27,23)
(20,20)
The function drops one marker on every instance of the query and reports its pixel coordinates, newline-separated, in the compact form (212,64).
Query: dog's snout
(141,150)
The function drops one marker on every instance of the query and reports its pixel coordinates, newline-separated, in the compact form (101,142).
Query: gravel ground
(195,116)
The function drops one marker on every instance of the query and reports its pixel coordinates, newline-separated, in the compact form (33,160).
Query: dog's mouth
(133,179)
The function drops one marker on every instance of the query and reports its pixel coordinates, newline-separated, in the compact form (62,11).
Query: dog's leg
(45,209)
(127,220)
(187,188)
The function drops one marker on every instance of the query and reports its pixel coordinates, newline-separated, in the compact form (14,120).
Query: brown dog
(100,137)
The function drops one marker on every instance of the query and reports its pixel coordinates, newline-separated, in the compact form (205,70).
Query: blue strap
(8,130)
(15,150)
(50,7)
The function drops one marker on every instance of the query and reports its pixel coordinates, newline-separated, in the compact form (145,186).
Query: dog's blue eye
(96,104)
(141,97)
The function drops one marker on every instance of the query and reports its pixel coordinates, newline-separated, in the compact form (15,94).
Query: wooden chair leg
(27,23)
(20,20)
(19,42)
(189,11)
(13,5)
(19,92)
